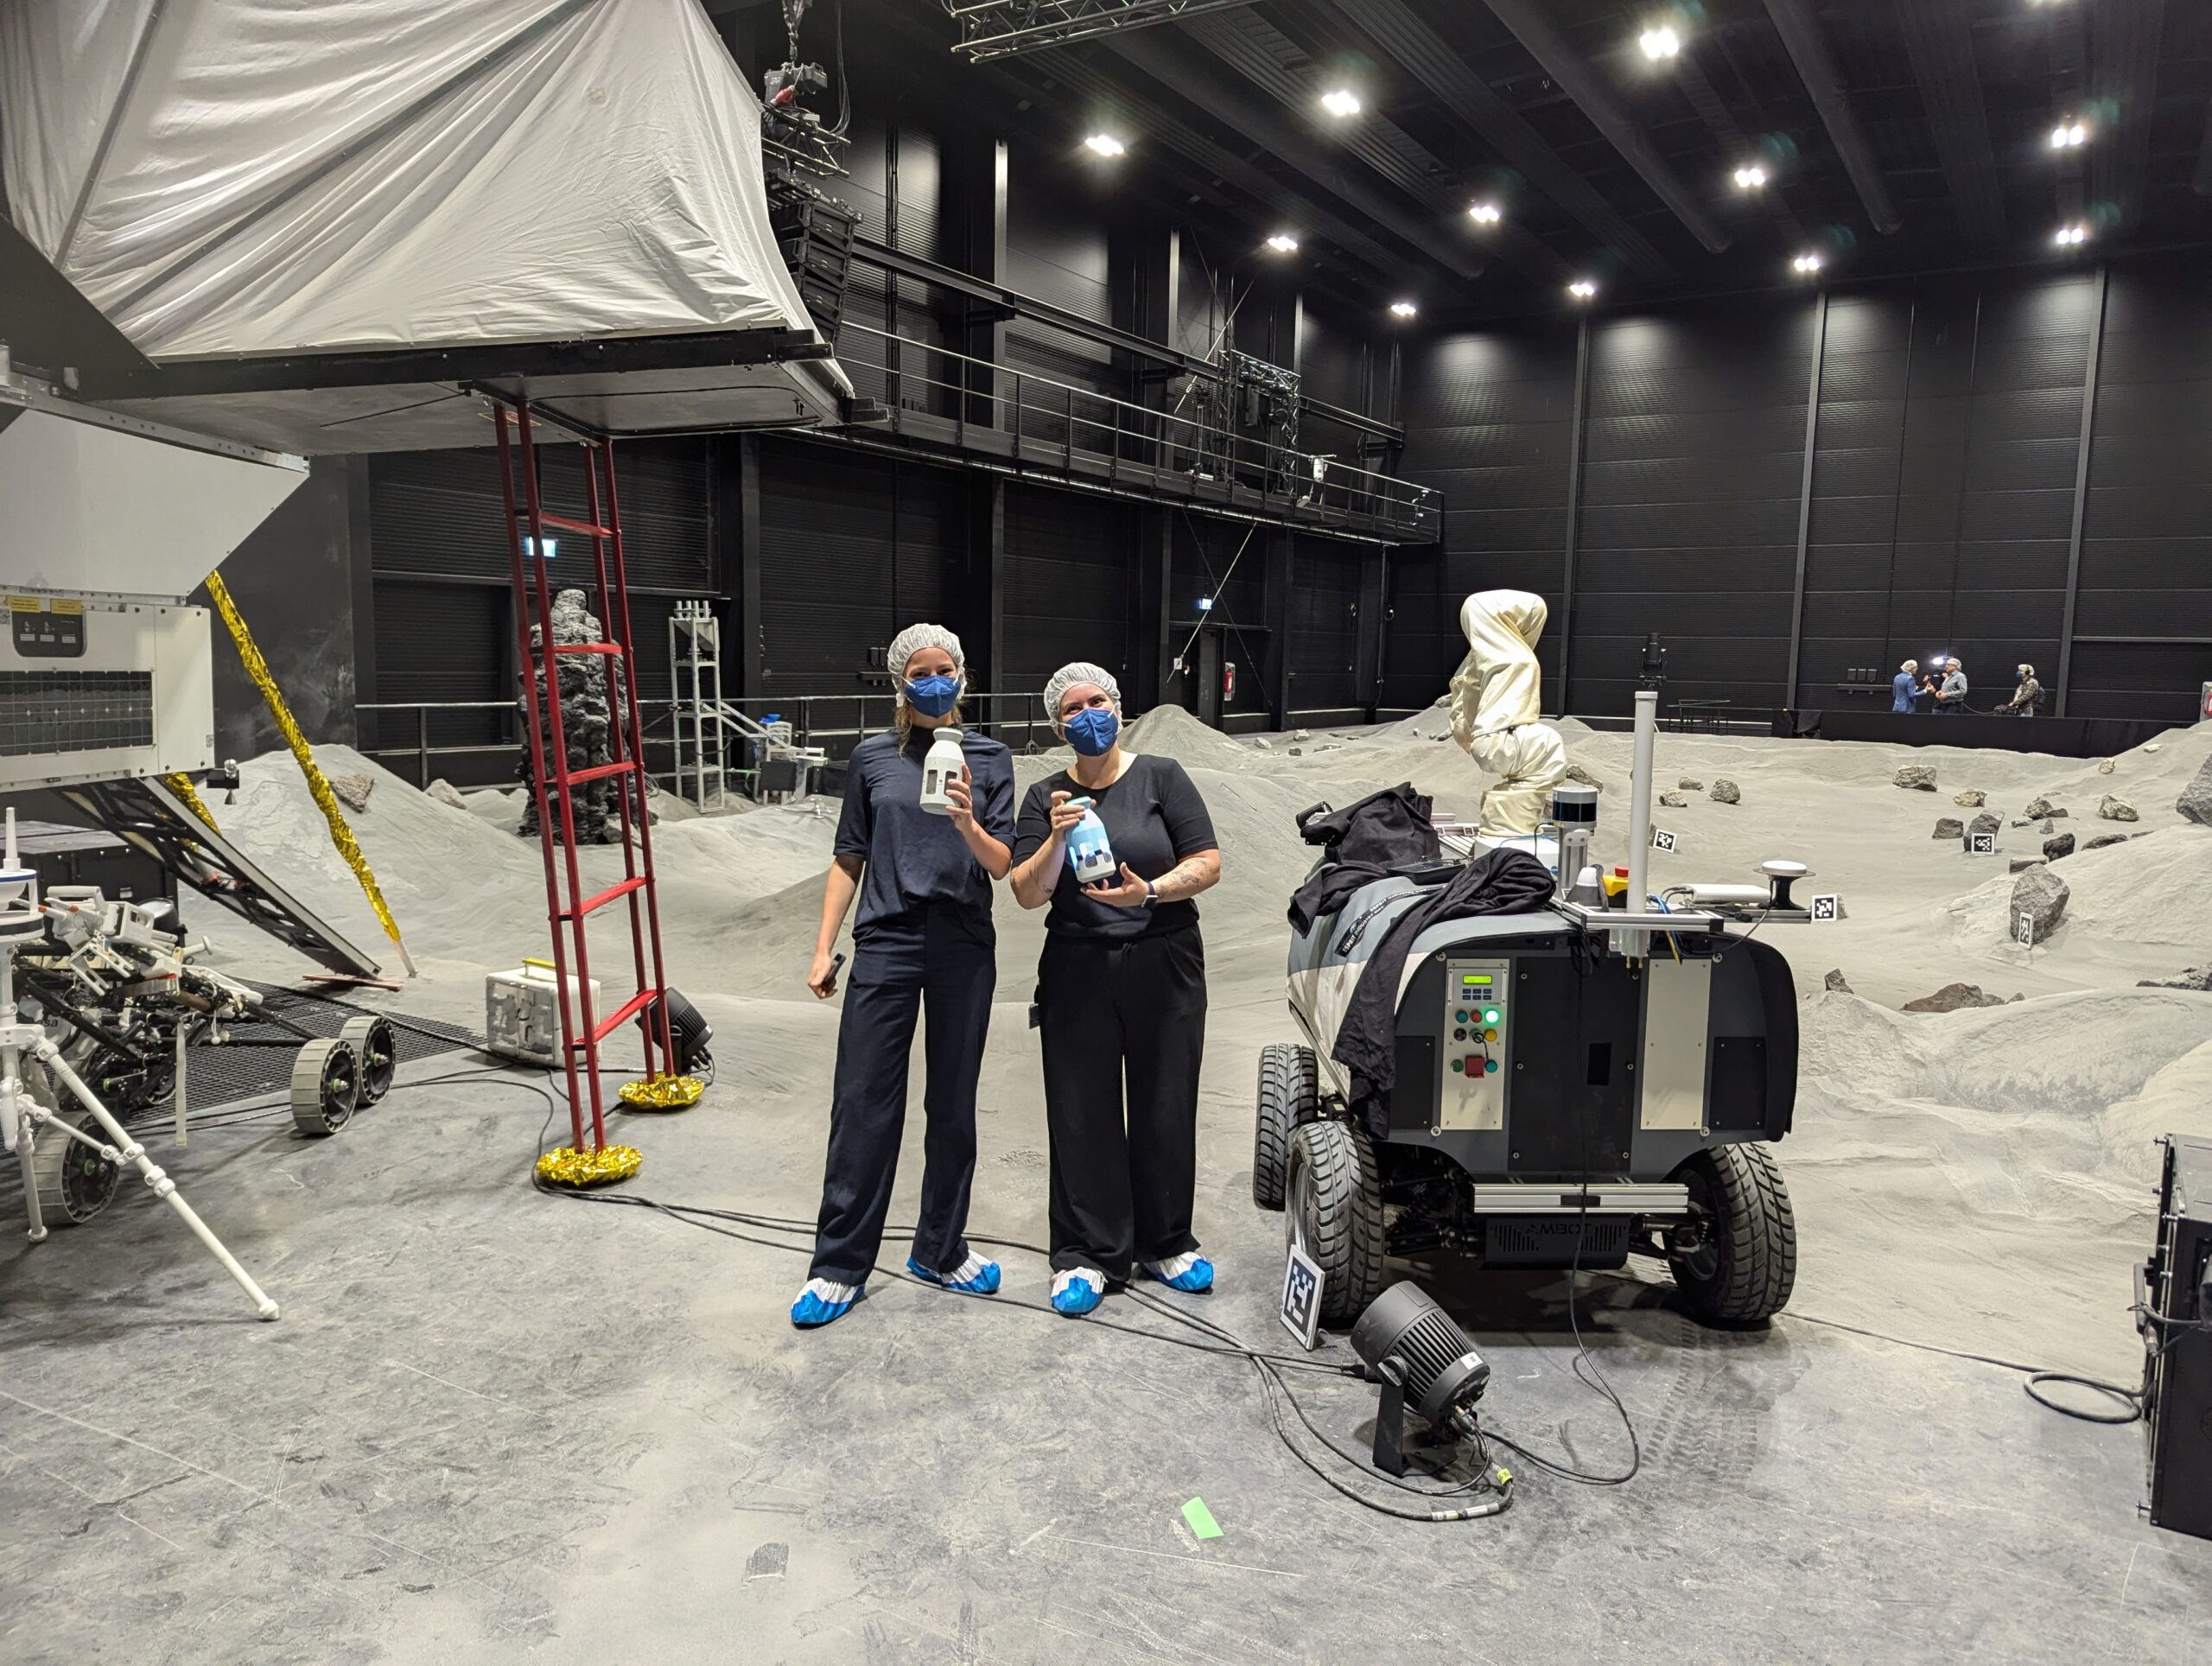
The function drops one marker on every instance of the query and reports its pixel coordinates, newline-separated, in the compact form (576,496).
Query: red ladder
(568,908)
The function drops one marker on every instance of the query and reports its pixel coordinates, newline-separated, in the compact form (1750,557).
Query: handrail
(1283,472)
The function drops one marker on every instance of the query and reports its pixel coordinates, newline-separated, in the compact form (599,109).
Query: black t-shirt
(1154,817)
(914,858)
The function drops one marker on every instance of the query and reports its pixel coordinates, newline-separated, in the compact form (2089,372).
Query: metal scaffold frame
(1001,29)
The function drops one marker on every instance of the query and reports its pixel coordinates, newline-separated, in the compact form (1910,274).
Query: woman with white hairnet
(1121,997)
(923,941)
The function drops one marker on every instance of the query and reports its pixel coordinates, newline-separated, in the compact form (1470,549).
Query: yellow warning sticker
(68,605)
(25,605)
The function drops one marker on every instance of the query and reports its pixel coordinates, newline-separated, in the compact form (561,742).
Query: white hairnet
(909,642)
(1071,676)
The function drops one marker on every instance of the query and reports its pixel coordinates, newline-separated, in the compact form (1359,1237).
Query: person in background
(922,938)
(1952,696)
(2022,702)
(1121,996)
(1905,685)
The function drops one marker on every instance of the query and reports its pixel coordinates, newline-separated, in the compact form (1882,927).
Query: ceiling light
(2070,235)
(1582,289)
(1404,308)
(1660,43)
(1806,263)
(1485,213)
(1749,177)
(1105,145)
(1283,243)
(2069,136)
(1340,103)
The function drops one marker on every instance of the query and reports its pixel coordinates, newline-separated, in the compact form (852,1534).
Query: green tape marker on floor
(1202,1524)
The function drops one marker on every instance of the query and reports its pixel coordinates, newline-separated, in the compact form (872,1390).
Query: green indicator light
(1490,1015)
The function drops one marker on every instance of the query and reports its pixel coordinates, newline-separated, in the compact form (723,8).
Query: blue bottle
(1090,853)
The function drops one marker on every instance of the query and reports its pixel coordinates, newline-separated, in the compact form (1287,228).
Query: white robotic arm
(1497,706)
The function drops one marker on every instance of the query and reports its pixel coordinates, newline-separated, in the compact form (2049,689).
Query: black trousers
(1130,1016)
(933,963)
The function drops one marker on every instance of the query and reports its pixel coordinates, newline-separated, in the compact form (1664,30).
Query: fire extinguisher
(1228,679)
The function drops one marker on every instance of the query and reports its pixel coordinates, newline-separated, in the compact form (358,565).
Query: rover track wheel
(1743,1272)
(377,1045)
(1287,1096)
(326,1085)
(75,1181)
(1334,1213)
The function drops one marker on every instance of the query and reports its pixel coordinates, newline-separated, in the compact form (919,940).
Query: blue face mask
(1091,731)
(933,696)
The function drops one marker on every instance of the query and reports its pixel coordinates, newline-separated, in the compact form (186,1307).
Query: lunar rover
(1572,1085)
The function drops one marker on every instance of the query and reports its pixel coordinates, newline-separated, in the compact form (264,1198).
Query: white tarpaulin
(261,177)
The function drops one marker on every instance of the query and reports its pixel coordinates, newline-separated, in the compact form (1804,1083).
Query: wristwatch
(1151,894)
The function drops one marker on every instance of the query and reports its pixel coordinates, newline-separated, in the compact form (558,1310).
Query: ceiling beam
(1720,122)
(1809,50)
(1250,45)
(1395,27)
(1939,44)
(1532,26)
(1250,179)
(2202,179)
(1172,65)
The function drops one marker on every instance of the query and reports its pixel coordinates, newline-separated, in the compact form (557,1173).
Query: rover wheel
(1287,1096)
(377,1045)
(1334,1213)
(326,1085)
(1743,1269)
(75,1181)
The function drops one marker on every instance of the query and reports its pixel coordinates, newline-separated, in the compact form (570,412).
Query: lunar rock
(1673,800)
(2105,766)
(1576,772)
(1834,983)
(2117,810)
(1688,785)
(1952,997)
(1972,799)
(2021,864)
(2038,807)
(352,791)
(1919,777)
(2040,895)
(445,793)
(1985,823)
(2195,800)
(1726,792)
(2104,839)
(1950,827)
(2196,977)
(2063,845)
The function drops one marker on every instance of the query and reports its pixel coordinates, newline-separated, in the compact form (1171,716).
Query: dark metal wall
(1940,514)
(295,584)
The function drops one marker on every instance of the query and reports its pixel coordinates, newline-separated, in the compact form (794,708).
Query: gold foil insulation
(568,1167)
(340,833)
(661,1091)
(182,785)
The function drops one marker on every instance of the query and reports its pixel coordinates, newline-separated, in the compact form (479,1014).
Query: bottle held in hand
(942,763)
(1089,852)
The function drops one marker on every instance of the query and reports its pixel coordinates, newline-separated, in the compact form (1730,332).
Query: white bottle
(942,764)
(1090,853)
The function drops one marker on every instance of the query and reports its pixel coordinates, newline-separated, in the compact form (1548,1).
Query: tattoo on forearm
(1188,875)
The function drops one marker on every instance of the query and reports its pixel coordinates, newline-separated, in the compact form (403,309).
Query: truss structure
(1002,29)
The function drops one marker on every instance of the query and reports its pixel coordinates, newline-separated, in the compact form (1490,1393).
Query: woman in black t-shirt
(1121,992)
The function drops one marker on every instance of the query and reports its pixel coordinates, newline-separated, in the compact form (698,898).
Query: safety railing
(1057,425)
(837,722)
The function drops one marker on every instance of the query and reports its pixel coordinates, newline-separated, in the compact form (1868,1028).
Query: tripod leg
(164,1187)
(19,1128)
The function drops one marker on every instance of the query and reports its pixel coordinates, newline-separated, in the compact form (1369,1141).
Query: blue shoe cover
(820,1303)
(1190,1274)
(1074,1293)
(975,1277)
